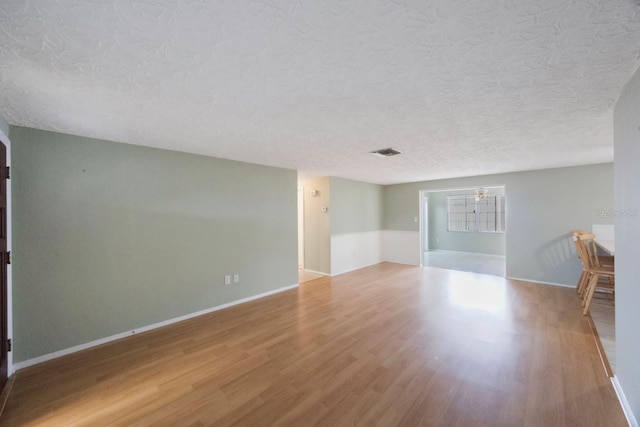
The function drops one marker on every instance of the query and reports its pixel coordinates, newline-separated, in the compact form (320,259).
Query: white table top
(607,245)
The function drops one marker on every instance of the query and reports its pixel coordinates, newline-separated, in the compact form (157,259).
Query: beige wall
(317,225)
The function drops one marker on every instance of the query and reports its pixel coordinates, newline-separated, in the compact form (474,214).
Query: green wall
(356,207)
(543,206)
(440,238)
(110,237)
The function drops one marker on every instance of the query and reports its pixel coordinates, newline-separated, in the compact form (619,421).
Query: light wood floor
(387,345)
(305,276)
(603,313)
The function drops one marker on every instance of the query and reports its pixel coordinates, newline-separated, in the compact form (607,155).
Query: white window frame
(470,215)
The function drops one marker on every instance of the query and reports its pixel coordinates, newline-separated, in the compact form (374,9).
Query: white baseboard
(628,413)
(74,349)
(352,269)
(320,273)
(562,285)
(463,252)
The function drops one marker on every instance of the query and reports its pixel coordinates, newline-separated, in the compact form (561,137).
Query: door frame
(300,227)
(10,370)
(423,224)
(424,194)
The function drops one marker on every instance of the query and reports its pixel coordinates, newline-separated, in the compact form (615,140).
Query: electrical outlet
(236,278)
(227,279)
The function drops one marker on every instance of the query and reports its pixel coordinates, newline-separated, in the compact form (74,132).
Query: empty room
(295,213)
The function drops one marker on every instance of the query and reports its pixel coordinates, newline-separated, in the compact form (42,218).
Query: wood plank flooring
(305,276)
(388,345)
(603,314)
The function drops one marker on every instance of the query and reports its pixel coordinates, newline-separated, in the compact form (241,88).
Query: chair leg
(585,289)
(591,288)
(580,282)
(584,279)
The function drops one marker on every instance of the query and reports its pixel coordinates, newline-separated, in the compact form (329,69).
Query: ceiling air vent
(386,152)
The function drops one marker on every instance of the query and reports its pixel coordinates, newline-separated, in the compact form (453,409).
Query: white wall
(402,247)
(627,234)
(352,251)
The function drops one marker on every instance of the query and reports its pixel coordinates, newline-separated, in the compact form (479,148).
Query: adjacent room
(464,229)
(331,213)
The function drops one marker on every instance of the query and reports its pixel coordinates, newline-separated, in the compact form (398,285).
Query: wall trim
(95,343)
(353,269)
(4,137)
(626,408)
(316,272)
(562,285)
(463,252)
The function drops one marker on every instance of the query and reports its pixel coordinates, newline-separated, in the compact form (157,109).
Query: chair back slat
(587,250)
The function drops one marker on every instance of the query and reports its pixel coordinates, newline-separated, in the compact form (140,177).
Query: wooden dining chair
(601,260)
(583,276)
(594,268)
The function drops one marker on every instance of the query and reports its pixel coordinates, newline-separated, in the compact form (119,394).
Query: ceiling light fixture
(481,193)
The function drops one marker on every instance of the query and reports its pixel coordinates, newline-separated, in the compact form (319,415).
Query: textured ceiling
(464,87)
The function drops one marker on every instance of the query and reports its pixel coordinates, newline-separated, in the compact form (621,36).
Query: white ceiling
(462,87)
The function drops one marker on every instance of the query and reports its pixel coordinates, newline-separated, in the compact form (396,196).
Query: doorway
(300,228)
(468,237)
(4,262)
(424,223)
